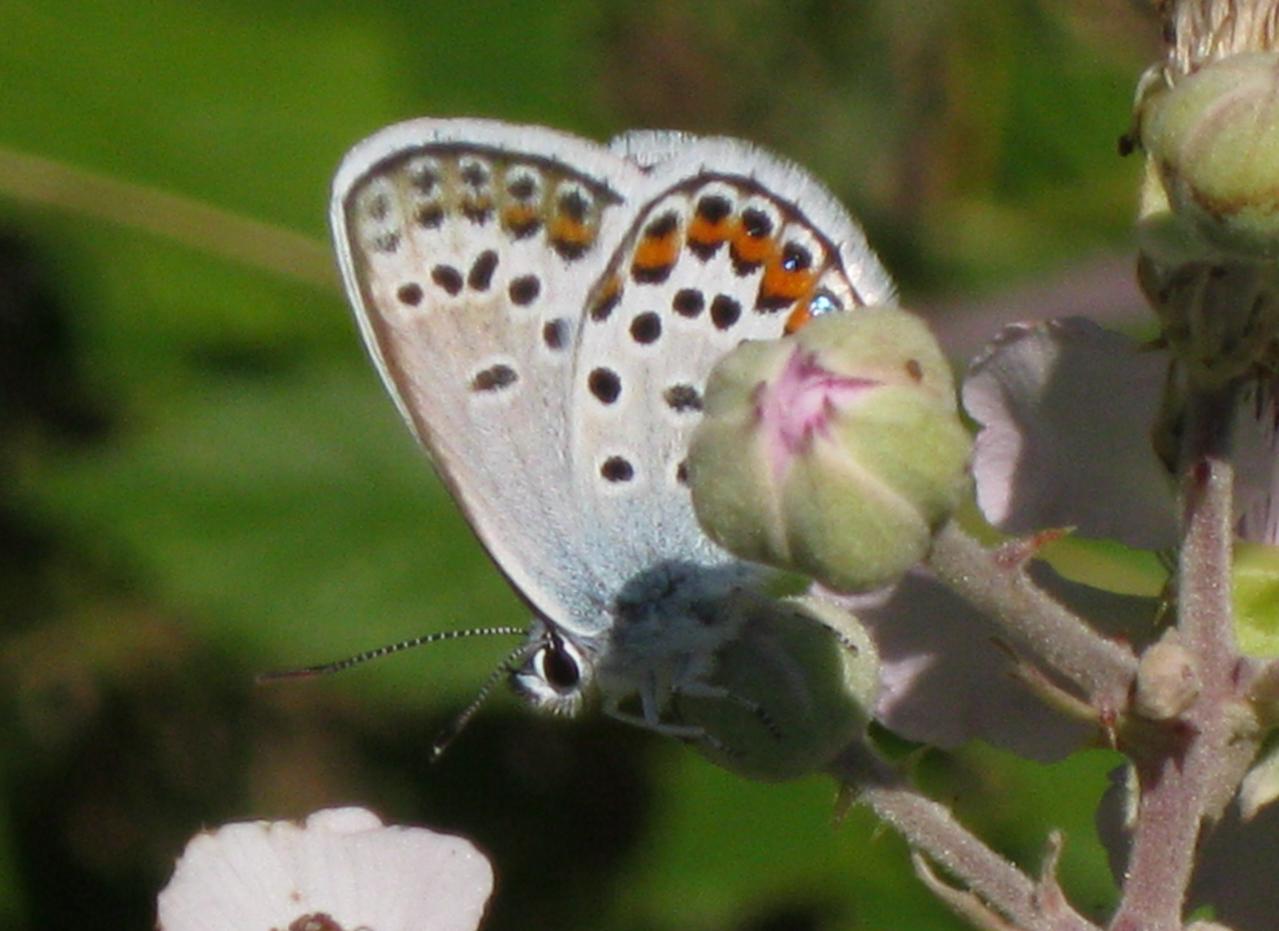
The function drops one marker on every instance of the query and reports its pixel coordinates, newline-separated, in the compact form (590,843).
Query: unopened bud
(1209,226)
(1167,681)
(788,693)
(835,452)
(1213,138)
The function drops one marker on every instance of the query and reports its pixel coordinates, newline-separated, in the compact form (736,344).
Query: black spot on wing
(494,378)
(481,274)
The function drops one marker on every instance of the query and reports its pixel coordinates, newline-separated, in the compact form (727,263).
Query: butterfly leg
(690,733)
(655,724)
(719,693)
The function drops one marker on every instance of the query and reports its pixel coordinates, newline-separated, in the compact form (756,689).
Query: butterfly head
(555,674)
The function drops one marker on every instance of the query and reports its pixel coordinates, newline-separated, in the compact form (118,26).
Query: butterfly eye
(557,666)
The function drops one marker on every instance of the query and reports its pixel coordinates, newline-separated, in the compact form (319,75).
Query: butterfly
(544,311)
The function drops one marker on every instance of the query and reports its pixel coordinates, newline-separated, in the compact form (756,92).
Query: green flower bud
(835,452)
(1213,138)
(1209,227)
(787,694)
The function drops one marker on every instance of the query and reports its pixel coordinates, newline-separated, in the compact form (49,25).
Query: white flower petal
(341,871)
(1066,409)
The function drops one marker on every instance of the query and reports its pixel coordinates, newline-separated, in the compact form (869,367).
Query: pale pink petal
(340,871)
(945,679)
(1066,410)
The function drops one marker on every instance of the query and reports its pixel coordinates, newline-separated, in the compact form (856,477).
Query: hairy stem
(1034,623)
(1193,778)
(932,830)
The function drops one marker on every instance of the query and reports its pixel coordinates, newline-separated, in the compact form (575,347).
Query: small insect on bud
(789,693)
(835,452)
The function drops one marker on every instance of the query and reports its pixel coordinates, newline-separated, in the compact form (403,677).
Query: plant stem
(1193,778)
(931,828)
(1034,623)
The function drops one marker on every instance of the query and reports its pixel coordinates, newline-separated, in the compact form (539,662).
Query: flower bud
(1167,680)
(1213,138)
(787,694)
(1209,227)
(834,452)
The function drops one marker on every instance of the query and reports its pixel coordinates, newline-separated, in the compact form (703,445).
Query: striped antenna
(446,736)
(307,672)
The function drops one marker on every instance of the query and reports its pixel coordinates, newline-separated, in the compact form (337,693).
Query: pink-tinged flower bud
(835,452)
(788,693)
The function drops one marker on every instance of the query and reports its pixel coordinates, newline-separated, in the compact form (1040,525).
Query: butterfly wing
(545,313)
(728,243)
(466,248)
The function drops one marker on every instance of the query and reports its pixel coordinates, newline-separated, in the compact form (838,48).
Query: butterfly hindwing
(728,243)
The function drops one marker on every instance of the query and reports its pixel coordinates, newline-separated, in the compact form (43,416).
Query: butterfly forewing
(466,249)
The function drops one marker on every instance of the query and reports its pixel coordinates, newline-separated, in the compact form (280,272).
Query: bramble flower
(1065,410)
(342,870)
(1067,407)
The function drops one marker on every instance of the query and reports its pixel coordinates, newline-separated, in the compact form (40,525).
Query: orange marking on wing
(801,313)
(702,232)
(570,232)
(476,205)
(656,251)
(752,249)
(518,216)
(610,287)
(797,317)
(781,286)
(605,297)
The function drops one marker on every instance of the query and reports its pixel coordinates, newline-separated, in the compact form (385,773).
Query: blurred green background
(200,477)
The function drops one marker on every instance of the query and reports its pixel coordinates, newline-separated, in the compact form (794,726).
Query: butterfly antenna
(447,735)
(324,669)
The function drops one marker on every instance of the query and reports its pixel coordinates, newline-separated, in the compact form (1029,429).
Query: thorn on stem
(1016,553)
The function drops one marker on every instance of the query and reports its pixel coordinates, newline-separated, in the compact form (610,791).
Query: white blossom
(342,870)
